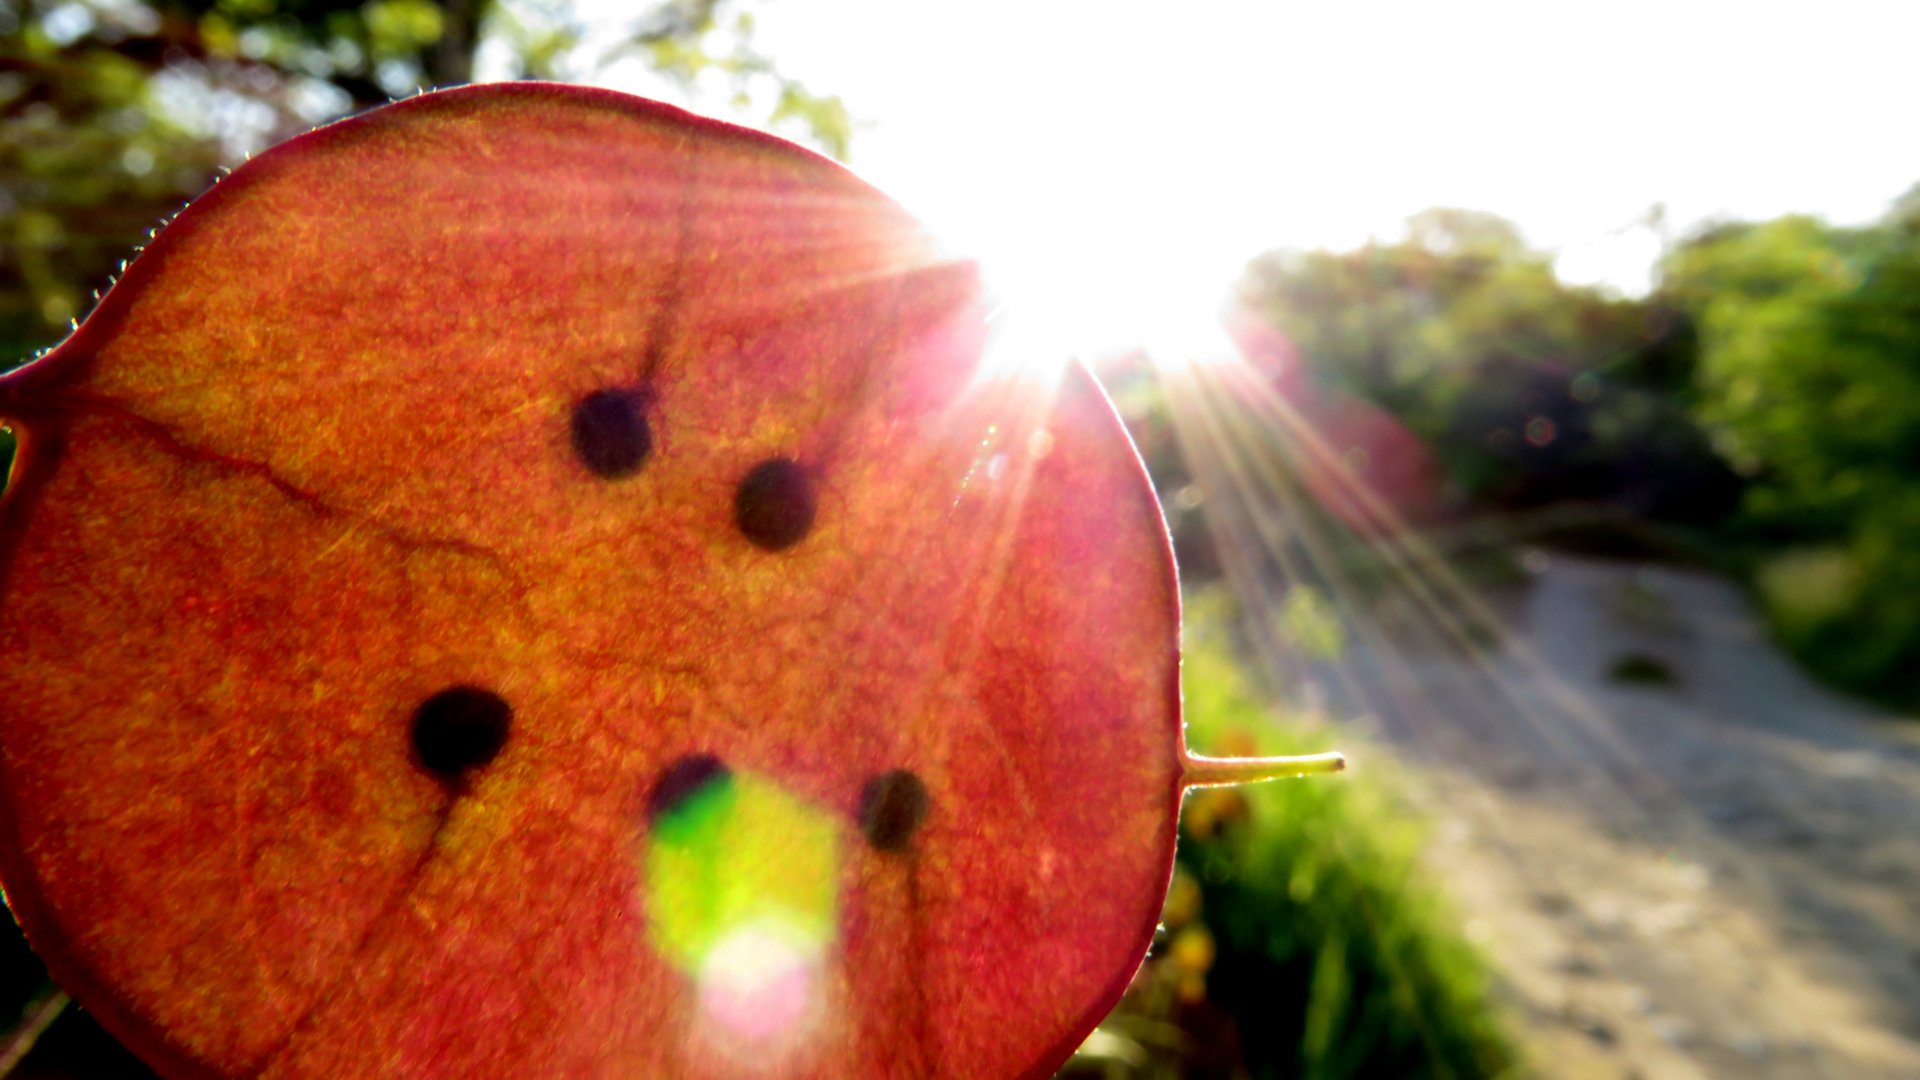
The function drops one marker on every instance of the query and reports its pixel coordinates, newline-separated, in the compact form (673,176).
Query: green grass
(1332,955)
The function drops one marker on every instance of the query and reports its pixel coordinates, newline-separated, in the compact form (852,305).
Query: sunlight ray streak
(1237,513)
(1246,446)
(1413,565)
(1226,510)
(991,415)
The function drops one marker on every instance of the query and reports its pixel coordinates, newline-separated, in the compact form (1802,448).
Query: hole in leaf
(611,433)
(891,809)
(459,729)
(774,504)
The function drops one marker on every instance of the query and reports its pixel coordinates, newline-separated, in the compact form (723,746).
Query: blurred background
(1533,391)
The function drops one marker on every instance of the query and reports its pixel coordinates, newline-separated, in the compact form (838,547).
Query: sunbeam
(1434,667)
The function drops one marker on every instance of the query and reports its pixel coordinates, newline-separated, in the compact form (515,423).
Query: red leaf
(529,582)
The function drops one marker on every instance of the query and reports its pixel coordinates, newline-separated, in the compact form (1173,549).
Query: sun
(1086,279)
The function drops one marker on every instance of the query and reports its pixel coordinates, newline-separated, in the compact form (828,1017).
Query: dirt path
(1711,874)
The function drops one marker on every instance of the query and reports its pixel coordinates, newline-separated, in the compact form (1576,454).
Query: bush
(1806,376)
(1301,937)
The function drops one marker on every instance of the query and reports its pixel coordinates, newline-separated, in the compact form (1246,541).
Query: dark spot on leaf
(892,808)
(459,729)
(611,434)
(774,504)
(687,776)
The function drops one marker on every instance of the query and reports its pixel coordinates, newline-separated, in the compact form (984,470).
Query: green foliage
(1776,372)
(113,113)
(1529,391)
(690,42)
(1807,368)
(1402,324)
(1309,622)
(89,162)
(1809,377)
(1319,889)
(1301,928)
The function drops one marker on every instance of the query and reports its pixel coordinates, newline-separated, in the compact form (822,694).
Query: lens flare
(758,982)
(743,899)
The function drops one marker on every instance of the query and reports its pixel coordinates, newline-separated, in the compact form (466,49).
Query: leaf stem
(1198,772)
(40,1013)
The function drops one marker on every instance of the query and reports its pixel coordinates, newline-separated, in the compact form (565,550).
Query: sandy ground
(1717,875)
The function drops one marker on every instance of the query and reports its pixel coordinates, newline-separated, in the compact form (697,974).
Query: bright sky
(1126,160)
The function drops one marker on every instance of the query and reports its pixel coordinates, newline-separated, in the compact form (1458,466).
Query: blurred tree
(1809,376)
(1528,390)
(115,112)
